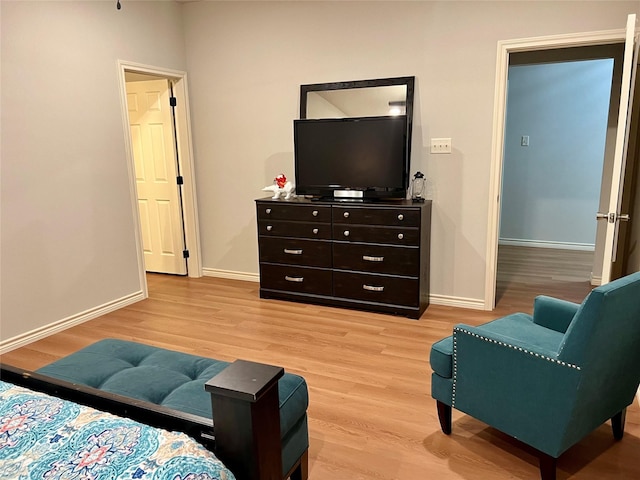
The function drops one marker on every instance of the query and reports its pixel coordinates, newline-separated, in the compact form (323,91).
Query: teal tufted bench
(177,381)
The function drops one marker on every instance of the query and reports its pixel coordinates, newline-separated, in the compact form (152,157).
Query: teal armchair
(550,378)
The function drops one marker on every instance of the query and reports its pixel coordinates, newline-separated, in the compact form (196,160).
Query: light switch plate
(440,145)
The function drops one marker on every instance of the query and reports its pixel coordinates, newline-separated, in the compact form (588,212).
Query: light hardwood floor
(371,416)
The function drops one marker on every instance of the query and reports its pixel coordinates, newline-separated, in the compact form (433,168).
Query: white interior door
(614,215)
(154,154)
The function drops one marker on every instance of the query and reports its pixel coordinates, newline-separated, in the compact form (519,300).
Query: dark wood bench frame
(246,415)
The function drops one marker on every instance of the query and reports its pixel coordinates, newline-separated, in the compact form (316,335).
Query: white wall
(246,61)
(68,240)
(551,188)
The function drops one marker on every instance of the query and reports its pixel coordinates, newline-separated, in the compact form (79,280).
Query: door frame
(178,79)
(505,48)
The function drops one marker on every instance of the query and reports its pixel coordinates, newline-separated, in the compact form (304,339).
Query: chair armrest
(512,388)
(553,313)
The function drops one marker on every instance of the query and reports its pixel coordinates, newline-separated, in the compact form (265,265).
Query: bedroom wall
(246,61)
(68,244)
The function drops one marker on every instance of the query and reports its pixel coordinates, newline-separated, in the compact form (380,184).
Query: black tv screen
(367,155)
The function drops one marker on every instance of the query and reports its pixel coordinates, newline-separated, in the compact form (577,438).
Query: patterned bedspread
(43,437)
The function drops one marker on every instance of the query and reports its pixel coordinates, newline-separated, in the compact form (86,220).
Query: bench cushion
(164,377)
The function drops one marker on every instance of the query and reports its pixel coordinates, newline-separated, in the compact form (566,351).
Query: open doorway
(619,129)
(181,179)
(556,171)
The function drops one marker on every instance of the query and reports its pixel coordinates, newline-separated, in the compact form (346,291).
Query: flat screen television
(352,158)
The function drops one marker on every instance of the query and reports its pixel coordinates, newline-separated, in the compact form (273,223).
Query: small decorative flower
(280,180)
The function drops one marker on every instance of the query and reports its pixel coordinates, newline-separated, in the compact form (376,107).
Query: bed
(44,437)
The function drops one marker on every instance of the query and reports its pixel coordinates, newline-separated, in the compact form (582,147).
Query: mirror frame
(409,82)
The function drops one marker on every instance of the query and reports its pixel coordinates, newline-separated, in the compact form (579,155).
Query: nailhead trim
(497,342)
(455,368)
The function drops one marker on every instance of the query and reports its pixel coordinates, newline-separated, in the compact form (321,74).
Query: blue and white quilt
(43,437)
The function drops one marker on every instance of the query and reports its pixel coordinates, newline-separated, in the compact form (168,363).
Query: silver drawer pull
(315,231)
(346,233)
(269,228)
(345,214)
(400,236)
(268,210)
(371,288)
(314,213)
(293,252)
(400,216)
(294,279)
(372,259)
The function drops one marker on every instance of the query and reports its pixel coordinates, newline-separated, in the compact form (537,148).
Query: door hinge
(180,180)
(172,101)
(185,254)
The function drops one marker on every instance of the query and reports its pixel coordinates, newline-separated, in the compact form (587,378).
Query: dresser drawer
(300,213)
(401,216)
(377,258)
(293,251)
(376,288)
(296,279)
(377,234)
(321,231)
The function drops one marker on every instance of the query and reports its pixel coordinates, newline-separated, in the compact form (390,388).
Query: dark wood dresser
(371,256)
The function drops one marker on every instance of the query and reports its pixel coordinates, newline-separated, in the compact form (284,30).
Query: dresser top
(401,202)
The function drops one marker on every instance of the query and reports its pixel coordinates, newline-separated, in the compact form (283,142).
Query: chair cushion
(519,327)
(441,357)
(164,377)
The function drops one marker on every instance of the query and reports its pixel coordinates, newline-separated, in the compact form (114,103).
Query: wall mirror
(360,98)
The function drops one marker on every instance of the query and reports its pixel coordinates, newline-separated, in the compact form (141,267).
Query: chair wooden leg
(547,467)
(444,415)
(617,424)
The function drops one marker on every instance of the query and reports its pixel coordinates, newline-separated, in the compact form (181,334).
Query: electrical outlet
(440,145)
(524,140)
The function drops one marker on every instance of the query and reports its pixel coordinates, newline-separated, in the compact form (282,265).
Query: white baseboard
(230,274)
(517,242)
(595,280)
(448,301)
(55,327)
